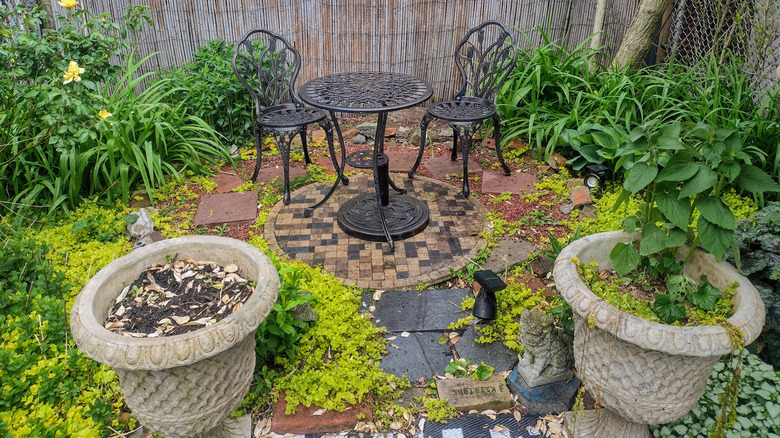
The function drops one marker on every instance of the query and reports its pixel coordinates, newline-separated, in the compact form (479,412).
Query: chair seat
(463,111)
(288,116)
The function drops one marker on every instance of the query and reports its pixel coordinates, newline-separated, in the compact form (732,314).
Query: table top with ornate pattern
(365,92)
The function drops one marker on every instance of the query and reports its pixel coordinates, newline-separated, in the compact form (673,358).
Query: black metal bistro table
(377,217)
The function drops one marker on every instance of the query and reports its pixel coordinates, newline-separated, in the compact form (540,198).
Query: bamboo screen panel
(406,36)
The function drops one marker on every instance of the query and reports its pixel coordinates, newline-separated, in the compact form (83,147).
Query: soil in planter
(178,297)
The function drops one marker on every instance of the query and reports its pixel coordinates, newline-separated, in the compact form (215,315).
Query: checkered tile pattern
(452,235)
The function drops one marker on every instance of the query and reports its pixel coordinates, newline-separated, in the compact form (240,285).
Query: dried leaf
(169,294)
(319,411)
(165,321)
(517,415)
(405,334)
(395,346)
(231,268)
(153,335)
(236,307)
(181,319)
(225,298)
(123,294)
(114,325)
(395,425)
(392,338)
(378,295)
(120,311)
(180,264)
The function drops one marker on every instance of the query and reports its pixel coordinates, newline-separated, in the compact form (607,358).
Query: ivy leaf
(483,372)
(704,179)
(666,310)
(706,296)
(624,258)
(676,210)
(716,211)
(653,240)
(715,239)
(639,177)
(755,180)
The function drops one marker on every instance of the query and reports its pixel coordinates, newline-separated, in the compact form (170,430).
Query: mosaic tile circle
(451,237)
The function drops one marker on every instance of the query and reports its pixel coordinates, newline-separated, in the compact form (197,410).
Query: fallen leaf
(517,415)
(231,268)
(153,335)
(395,346)
(181,319)
(120,311)
(405,334)
(225,298)
(319,411)
(113,325)
(123,294)
(165,321)
(236,307)
(392,338)
(395,425)
(378,295)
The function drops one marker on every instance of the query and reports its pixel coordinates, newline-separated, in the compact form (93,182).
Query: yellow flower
(68,3)
(73,72)
(103,114)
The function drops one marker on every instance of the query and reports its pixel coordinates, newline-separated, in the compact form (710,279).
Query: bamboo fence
(407,36)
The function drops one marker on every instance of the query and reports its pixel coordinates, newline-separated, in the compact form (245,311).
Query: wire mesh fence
(735,31)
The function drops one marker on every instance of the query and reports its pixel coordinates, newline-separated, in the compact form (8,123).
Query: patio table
(377,217)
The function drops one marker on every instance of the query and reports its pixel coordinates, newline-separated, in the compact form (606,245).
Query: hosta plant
(682,171)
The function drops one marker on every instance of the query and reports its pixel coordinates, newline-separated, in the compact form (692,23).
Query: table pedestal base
(359,217)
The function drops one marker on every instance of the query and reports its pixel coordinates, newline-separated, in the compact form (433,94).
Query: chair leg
(497,139)
(423,135)
(306,158)
(283,141)
(464,133)
(454,155)
(259,147)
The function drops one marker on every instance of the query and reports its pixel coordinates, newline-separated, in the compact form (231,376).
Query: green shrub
(208,88)
(758,406)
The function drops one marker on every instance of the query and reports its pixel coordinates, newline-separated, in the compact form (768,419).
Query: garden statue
(548,354)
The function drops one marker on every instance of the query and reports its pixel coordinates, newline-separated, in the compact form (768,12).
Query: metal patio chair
(267,65)
(485,57)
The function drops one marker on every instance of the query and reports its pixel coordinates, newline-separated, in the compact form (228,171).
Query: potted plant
(647,372)
(184,385)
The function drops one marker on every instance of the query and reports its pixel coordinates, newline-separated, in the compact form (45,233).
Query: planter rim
(159,353)
(700,341)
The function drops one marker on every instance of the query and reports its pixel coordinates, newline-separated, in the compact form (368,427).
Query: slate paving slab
(226,208)
(495,182)
(430,310)
(508,254)
(227,181)
(439,167)
(481,426)
(401,161)
(496,354)
(418,356)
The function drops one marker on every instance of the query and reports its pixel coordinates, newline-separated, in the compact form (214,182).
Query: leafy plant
(758,241)
(464,368)
(757,407)
(681,170)
(208,88)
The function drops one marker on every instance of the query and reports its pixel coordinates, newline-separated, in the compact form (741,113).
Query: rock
(541,266)
(588,212)
(444,133)
(566,208)
(465,394)
(556,161)
(574,182)
(318,136)
(142,226)
(489,143)
(508,254)
(402,133)
(367,129)
(139,199)
(580,196)
(390,132)
(233,151)
(304,312)
(351,132)
(414,138)
(359,139)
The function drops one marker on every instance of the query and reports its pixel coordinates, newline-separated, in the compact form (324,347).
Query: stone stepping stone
(226,208)
(418,356)
(439,167)
(227,181)
(508,254)
(427,311)
(481,426)
(268,173)
(401,161)
(495,354)
(466,394)
(495,182)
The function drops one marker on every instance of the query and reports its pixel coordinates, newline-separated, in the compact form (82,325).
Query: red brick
(304,422)
(227,208)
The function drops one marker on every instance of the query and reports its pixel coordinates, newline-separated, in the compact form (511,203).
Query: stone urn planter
(640,371)
(184,385)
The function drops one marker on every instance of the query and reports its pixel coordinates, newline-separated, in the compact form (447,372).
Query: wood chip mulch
(178,297)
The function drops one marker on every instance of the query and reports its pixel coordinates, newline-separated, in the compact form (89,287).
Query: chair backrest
(268,67)
(485,57)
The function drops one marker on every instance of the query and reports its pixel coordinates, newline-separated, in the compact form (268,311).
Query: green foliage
(681,169)
(208,88)
(49,387)
(758,240)
(757,406)
(464,368)
(438,410)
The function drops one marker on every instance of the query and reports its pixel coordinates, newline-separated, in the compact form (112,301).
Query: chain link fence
(744,31)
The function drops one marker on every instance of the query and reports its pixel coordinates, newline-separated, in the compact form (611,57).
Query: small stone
(142,226)
(588,212)
(390,132)
(574,182)
(351,132)
(444,133)
(233,151)
(304,312)
(556,161)
(465,394)
(566,208)
(367,129)
(541,266)
(402,132)
(359,139)
(580,196)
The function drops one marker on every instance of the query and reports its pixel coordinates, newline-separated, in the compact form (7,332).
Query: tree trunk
(598,27)
(639,36)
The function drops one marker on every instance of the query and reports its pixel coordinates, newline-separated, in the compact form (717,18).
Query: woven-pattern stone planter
(644,372)
(186,385)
